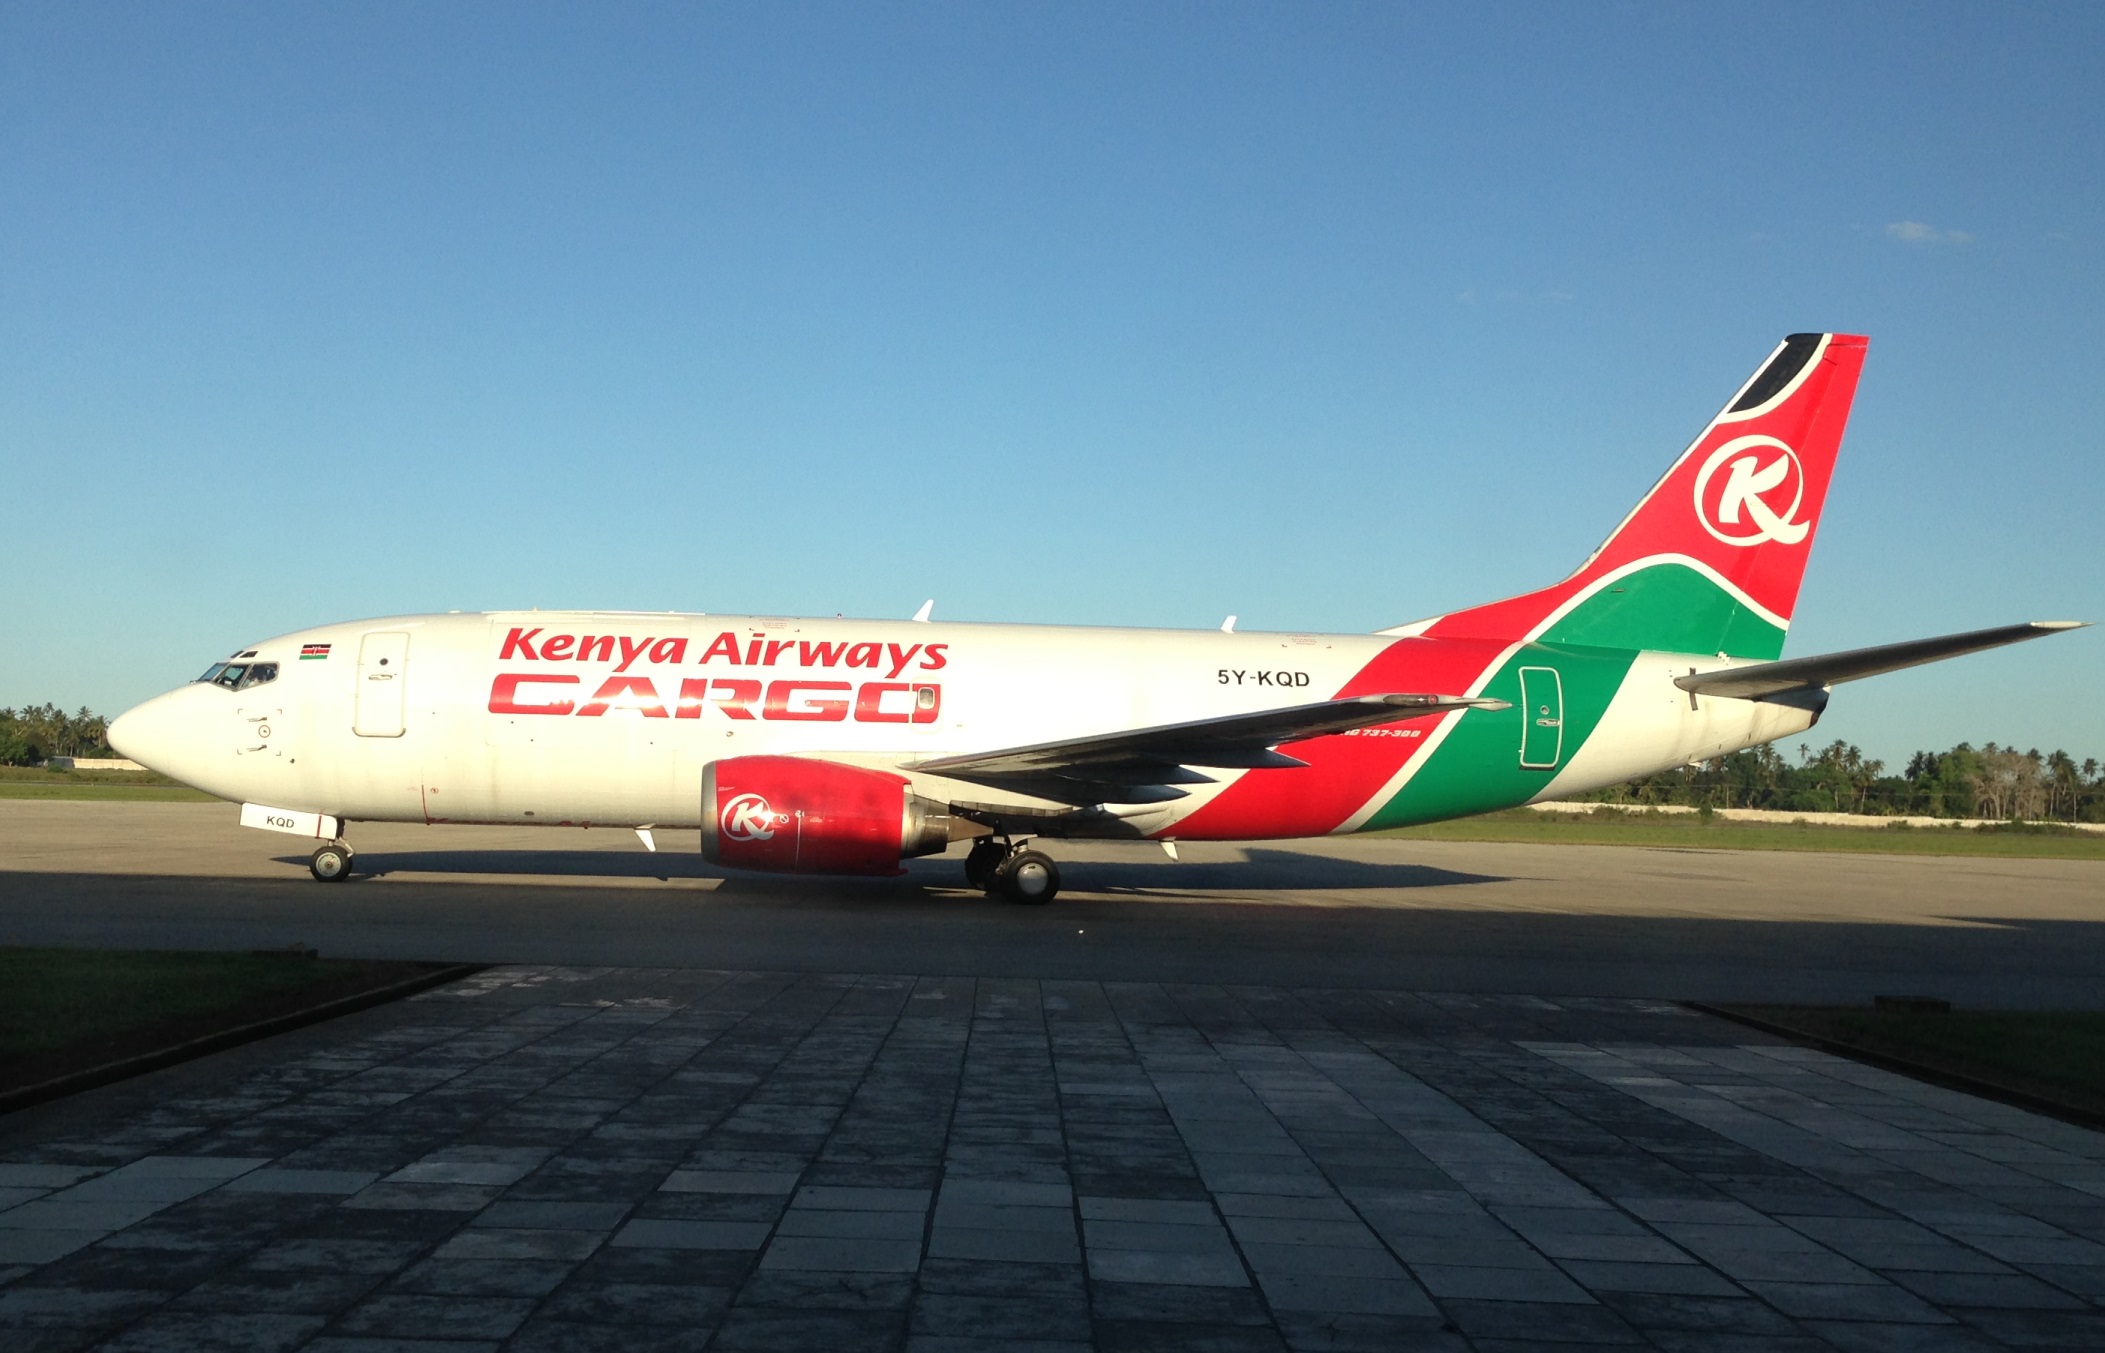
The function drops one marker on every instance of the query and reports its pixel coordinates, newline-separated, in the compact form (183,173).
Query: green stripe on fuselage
(1476,768)
(1666,607)
(1671,608)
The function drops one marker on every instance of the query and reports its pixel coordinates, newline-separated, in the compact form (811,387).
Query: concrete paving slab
(538,1214)
(41,1176)
(693,1235)
(731,1181)
(1168,1237)
(1499,1284)
(1300,1231)
(846,1198)
(814,1221)
(1008,1246)
(1686,1279)
(302,1181)
(998,1217)
(862,1254)
(1345,1295)
(61,1213)
(1160,1210)
(25,1246)
(962,1192)
(411,1197)
(520,1243)
(1166,1267)
(507,1277)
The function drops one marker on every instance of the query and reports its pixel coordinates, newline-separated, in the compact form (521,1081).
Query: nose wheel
(1013,872)
(331,863)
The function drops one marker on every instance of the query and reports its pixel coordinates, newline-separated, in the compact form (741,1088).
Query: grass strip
(1692,831)
(16,789)
(110,786)
(66,1011)
(2050,1060)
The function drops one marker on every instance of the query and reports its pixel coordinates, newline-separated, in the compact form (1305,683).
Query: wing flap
(1765,680)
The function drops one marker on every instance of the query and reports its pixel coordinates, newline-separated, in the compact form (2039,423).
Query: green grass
(2058,1055)
(107,793)
(1688,831)
(112,786)
(63,1010)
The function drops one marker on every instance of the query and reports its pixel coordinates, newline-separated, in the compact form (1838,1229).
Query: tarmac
(1346,1095)
(1355,912)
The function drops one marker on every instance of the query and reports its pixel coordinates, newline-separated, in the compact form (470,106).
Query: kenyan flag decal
(313,651)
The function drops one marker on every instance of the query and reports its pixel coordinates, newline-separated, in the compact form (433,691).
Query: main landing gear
(1012,872)
(331,863)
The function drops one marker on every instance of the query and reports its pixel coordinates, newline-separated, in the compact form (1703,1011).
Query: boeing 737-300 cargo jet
(848,746)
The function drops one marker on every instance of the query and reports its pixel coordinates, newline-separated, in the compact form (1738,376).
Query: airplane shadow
(1260,871)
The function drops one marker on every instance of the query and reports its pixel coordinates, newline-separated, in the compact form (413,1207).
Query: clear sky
(1330,316)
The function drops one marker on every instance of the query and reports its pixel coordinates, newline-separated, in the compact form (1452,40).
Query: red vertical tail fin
(1711,559)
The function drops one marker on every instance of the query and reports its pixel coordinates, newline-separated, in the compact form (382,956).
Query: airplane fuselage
(583,718)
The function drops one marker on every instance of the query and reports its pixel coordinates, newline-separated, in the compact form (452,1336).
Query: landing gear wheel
(985,858)
(331,864)
(1028,877)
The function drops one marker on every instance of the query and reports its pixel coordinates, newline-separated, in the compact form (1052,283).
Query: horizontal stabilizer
(1141,765)
(1763,680)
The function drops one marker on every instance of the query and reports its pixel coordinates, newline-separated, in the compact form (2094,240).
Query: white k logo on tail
(1743,511)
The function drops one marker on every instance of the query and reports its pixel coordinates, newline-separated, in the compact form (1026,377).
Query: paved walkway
(546,1158)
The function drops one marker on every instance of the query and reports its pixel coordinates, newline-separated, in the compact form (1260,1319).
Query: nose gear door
(1542,718)
(383,674)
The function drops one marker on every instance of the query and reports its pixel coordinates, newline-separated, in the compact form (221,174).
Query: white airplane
(848,746)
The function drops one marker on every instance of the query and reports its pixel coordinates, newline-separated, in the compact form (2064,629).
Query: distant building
(92,763)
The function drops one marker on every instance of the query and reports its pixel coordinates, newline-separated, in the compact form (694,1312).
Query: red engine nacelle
(800,816)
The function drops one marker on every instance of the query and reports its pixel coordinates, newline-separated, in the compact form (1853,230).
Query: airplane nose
(162,734)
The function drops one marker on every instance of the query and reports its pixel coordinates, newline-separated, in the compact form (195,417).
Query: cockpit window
(239,676)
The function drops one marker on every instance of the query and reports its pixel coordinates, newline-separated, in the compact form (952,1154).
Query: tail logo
(1742,508)
(748,817)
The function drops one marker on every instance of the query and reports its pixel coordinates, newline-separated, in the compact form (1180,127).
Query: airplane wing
(1144,765)
(1764,680)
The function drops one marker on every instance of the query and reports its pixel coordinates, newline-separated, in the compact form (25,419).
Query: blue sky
(1329,316)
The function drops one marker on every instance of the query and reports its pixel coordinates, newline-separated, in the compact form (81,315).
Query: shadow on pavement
(530,863)
(1109,927)
(1261,870)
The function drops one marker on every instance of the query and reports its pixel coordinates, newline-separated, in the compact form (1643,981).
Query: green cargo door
(1542,718)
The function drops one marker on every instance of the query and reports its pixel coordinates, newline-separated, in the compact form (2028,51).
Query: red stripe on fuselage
(1344,770)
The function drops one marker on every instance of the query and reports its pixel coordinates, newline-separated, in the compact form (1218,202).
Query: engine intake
(799,816)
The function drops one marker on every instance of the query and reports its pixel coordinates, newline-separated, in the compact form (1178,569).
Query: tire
(330,864)
(1028,878)
(983,861)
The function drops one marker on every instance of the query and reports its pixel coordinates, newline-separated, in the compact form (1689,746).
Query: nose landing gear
(331,863)
(1012,872)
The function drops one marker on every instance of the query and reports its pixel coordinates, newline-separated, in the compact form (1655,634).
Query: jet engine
(795,815)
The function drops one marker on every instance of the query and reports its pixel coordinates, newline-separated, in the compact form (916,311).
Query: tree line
(1999,783)
(33,734)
